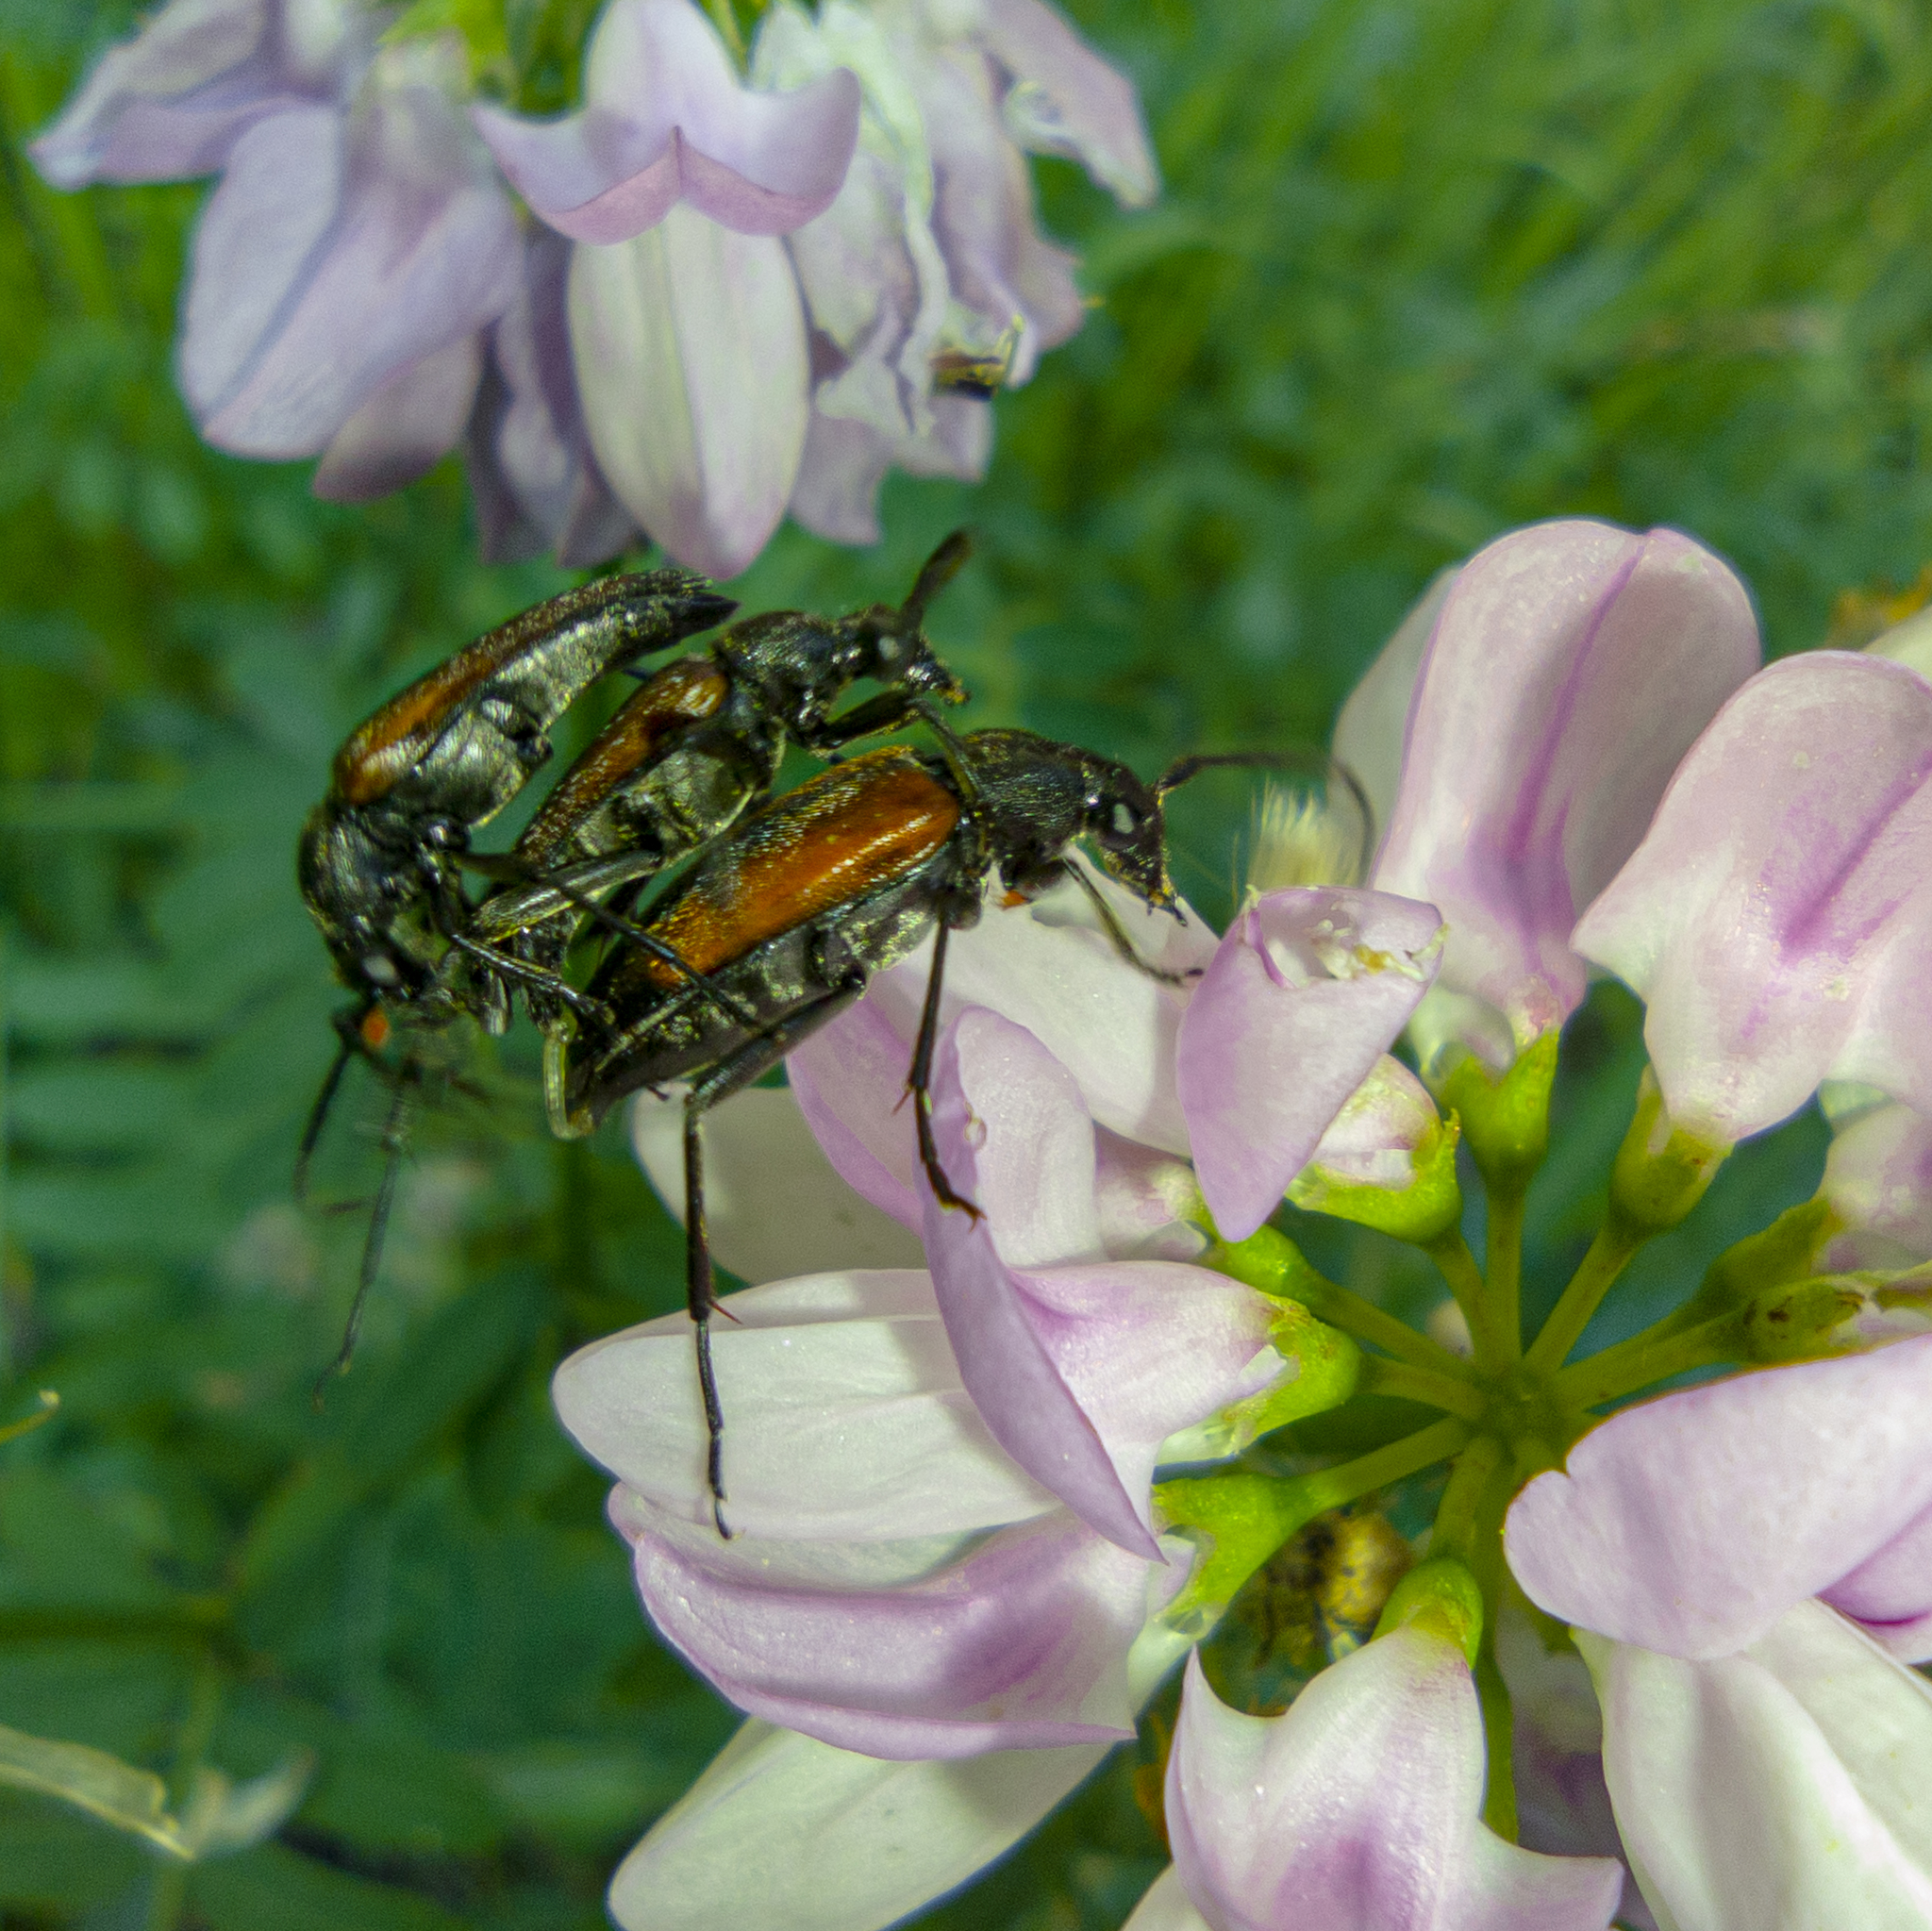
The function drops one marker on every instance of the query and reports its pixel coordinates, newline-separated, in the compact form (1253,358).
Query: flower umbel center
(1508,1412)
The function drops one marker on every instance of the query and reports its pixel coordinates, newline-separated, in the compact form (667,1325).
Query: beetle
(696,744)
(378,864)
(791,912)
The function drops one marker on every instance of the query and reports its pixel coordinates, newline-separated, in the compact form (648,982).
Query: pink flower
(1691,1525)
(1569,669)
(1360,1806)
(1775,918)
(1878,1179)
(1303,996)
(1782,1784)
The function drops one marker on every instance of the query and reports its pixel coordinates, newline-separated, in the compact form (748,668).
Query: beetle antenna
(935,574)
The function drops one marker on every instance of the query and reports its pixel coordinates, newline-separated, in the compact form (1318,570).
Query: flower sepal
(1505,1120)
(1237,1520)
(1420,1212)
(1323,1368)
(1441,1598)
(1661,1170)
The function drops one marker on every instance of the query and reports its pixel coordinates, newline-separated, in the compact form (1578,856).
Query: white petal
(774,1203)
(785,1834)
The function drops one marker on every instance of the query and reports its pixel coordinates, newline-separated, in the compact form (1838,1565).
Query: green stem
(1454,1531)
(1395,1379)
(1352,1480)
(1341,1308)
(1503,1258)
(1610,1254)
(1495,1350)
(1653,1355)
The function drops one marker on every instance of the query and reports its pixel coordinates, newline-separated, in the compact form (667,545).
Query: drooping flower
(355,290)
(172,103)
(358,244)
(1567,670)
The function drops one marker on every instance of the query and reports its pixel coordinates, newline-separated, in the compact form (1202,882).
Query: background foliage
(1425,268)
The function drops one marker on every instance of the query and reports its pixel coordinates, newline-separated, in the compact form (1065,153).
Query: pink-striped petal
(1777,917)
(1020,1643)
(1570,668)
(1081,1367)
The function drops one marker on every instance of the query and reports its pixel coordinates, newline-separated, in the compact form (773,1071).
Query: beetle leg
(731,1074)
(1117,933)
(533,975)
(394,1139)
(919,1080)
(634,934)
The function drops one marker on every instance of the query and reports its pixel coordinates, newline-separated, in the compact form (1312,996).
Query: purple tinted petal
(837,493)
(593,176)
(1360,1806)
(1372,730)
(171,102)
(847,1418)
(1048,967)
(785,1831)
(1081,1370)
(1067,100)
(691,358)
(1892,1594)
(1570,668)
(1563,1804)
(1372,1141)
(405,428)
(322,272)
(665,120)
(1690,1524)
(849,1078)
(1306,991)
(999,265)
(1878,1178)
(1776,917)
(1147,1201)
(1022,1642)
(531,471)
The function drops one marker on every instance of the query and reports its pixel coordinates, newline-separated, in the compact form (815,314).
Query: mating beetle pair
(779,918)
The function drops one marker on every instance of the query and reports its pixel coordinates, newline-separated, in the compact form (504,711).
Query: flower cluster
(995,1477)
(703,299)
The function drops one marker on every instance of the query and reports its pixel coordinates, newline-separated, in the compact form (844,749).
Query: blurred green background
(1424,270)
